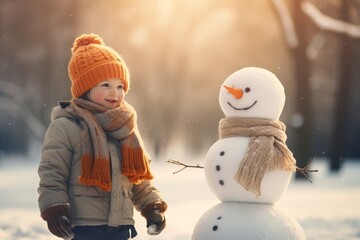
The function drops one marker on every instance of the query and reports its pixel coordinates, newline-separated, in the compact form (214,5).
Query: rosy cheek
(121,95)
(97,96)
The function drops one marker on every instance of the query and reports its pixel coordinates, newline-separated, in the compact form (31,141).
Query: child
(94,168)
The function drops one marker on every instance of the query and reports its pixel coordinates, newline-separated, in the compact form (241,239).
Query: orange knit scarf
(98,123)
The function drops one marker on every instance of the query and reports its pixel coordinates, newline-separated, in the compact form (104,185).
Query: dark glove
(155,219)
(57,220)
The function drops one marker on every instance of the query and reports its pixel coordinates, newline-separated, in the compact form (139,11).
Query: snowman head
(252,92)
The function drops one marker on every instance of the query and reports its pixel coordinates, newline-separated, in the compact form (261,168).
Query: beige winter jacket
(60,168)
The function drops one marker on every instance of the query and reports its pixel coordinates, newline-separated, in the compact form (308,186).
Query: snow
(327,209)
(152,230)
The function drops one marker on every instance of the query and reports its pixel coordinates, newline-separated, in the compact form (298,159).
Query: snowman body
(234,221)
(221,164)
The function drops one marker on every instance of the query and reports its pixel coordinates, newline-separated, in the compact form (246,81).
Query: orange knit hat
(92,62)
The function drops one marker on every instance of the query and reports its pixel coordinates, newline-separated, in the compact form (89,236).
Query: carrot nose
(236,92)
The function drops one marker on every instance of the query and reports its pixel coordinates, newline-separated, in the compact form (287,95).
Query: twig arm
(305,170)
(182,164)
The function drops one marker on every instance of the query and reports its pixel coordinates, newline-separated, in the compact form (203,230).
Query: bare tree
(303,136)
(341,124)
(347,33)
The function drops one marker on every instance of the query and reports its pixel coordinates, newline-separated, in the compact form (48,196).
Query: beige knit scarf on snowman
(267,149)
(98,123)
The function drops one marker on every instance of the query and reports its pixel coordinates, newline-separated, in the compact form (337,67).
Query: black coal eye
(247,89)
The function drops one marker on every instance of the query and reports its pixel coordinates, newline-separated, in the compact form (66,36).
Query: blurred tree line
(179,52)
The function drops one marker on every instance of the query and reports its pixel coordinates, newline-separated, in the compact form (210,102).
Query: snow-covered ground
(327,209)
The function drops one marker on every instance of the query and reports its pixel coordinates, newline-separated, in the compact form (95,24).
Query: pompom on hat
(92,62)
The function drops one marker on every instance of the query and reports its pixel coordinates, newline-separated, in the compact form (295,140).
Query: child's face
(109,93)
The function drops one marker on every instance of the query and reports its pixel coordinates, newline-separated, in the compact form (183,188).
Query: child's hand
(57,221)
(156,221)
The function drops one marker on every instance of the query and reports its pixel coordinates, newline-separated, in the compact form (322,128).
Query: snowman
(250,166)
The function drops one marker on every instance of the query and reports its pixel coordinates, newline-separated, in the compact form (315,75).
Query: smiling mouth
(111,101)
(246,108)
